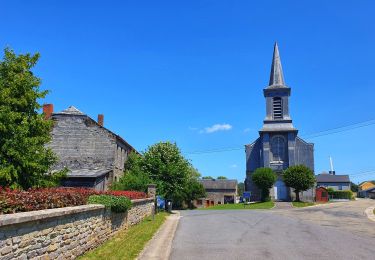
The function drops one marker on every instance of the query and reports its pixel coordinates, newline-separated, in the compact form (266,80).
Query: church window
(277,108)
(278,148)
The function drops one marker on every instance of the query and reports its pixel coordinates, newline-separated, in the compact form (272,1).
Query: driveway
(324,232)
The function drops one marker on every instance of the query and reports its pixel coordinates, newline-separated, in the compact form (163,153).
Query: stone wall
(64,233)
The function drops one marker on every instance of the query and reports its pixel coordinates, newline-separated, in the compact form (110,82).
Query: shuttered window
(277,108)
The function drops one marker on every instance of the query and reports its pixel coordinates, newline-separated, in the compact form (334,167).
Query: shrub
(341,194)
(116,204)
(300,178)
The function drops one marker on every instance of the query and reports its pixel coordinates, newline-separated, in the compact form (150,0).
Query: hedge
(12,201)
(116,204)
(340,194)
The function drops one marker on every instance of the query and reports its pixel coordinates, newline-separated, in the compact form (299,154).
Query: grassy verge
(257,205)
(127,244)
(302,204)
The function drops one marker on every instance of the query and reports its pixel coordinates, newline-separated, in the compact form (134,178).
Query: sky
(193,72)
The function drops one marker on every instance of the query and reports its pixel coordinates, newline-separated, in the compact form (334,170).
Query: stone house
(93,155)
(218,191)
(278,145)
(336,182)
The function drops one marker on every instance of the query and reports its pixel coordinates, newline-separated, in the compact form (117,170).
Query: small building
(94,155)
(220,191)
(366,185)
(336,182)
(369,193)
(321,194)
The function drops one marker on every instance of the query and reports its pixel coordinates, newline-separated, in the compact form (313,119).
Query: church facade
(278,145)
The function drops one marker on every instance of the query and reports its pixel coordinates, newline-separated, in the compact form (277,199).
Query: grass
(257,205)
(127,244)
(301,204)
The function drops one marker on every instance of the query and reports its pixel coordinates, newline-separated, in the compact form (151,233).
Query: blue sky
(171,70)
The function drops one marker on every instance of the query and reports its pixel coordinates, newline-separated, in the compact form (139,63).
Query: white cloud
(234,166)
(216,128)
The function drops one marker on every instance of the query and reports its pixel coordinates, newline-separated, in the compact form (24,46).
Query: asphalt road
(312,233)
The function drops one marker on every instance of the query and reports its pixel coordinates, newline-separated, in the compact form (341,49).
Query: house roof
(332,178)
(87,173)
(219,184)
(73,111)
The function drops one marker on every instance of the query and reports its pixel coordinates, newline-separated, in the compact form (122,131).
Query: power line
(308,136)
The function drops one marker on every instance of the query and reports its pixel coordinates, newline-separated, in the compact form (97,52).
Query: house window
(277,108)
(278,149)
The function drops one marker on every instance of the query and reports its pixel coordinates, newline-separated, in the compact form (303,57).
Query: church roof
(277,76)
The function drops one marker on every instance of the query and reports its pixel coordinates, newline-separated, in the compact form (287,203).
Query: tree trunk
(297,195)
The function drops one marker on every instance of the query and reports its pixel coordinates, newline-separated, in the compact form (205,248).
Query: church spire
(276,77)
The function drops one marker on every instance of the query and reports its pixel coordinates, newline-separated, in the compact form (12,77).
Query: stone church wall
(304,153)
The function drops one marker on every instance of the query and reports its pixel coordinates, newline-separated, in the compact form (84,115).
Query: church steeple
(276,77)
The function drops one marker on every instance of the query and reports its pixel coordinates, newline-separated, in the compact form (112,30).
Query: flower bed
(12,201)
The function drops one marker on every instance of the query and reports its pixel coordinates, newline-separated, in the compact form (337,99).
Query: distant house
(368,193)
(219,191)
(336,182)
(94,155)
(365,185)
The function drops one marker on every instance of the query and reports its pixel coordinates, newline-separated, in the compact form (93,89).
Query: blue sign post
(246,197)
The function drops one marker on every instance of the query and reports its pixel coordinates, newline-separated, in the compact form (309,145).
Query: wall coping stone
(22,217)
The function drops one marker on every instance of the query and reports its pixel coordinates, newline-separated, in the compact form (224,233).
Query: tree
(240,188)
(135,178)
(353,187)
(164,165)
(300,178)
(264,178)
(207,178)
(222,178)
(24,158)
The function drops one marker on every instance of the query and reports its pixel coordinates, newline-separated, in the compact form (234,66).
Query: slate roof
(87,173)
(219,184)
(332,178)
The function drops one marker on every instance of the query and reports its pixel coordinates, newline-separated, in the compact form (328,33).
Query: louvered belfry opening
(277,108)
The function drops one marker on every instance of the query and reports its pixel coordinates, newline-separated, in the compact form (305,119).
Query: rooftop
(325,177)
(219,184)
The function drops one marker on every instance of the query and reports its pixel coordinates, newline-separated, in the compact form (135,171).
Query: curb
(160,246)
(370,213)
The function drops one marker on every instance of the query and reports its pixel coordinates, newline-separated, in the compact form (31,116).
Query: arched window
(277,108)
(278,149)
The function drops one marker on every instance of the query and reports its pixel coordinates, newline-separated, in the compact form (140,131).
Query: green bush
(116,204)
(341,194)
(264,178)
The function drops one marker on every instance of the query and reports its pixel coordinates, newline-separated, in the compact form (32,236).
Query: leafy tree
(264,178)
(164,165)
(134,176)
(222,178)
(353,187)
(300,178)
(207,178)
(240,188)
(24,158)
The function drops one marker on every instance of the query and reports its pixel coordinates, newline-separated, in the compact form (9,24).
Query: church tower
(278,145)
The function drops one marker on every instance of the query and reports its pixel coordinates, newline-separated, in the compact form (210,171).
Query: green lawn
(257,205)
(302,204)
(127,244)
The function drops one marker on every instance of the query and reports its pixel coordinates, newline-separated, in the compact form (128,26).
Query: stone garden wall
(64,233)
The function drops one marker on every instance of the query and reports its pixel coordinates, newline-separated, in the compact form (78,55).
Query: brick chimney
(101,119)
(47,110)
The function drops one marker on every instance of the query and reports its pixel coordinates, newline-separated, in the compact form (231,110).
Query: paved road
(313,233)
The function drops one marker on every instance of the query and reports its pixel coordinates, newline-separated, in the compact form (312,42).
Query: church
(278,145)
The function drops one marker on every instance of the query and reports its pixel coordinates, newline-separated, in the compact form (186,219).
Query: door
(281,191)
